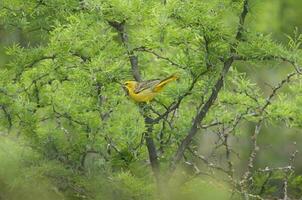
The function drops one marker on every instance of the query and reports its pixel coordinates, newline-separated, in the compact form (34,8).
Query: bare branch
(208,163)
(275,89)
(288,173)
(255,147)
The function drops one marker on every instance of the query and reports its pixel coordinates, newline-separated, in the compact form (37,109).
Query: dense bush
(61,95)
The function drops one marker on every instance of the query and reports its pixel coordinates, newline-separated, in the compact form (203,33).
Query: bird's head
(129,85)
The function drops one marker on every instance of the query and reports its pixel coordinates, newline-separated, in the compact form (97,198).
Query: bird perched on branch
(145,91)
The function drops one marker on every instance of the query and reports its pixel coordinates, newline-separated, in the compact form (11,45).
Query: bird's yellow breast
(144,96)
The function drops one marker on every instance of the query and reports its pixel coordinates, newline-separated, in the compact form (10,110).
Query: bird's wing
(146,85)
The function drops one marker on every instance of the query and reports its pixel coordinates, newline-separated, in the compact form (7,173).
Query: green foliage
(21,175)
(61,93)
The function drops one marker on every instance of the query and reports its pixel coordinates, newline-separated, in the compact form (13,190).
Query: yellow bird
(145,91)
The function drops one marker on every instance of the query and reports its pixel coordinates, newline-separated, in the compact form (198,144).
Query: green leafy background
(68,130)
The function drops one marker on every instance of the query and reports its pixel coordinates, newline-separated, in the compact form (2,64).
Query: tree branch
(201,114)
(145,49)
(215,90)
(254,137)
(34,62)
(242,17)
(120,27)
(269,58)
(173,106)
(8,116)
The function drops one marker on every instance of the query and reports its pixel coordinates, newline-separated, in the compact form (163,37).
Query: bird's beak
(125,89)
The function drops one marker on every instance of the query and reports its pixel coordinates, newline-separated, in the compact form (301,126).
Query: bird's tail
(165,81)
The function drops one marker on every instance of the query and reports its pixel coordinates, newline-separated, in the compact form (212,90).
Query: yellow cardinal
(145,91)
